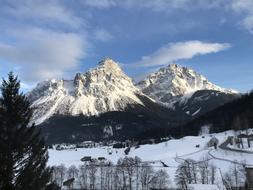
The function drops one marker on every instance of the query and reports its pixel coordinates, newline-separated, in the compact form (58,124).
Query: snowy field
(172,153)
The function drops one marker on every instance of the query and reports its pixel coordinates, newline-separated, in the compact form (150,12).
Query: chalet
(86,159)
(86,144)
(213,142)
(101,159)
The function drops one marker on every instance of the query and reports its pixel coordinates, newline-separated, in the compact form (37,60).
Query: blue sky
(42,39)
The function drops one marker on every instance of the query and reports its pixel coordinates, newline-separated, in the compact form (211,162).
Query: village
(219,153)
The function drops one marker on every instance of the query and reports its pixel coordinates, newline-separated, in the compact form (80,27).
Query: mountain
(100,104)
(172,82)
(104,104)
(202,101)
(235,115)
(100,90)
(185,90)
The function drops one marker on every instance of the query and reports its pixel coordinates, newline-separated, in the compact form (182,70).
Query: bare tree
(204,170)
(83,177)
(129,167)
(160,180)
(92,170)
(181,177)
(72,172)
(102,173)
(137,170)
(109,173)
(122,173)
(213,171)
(236,176)
(146,175)
(117,180)
(59,173)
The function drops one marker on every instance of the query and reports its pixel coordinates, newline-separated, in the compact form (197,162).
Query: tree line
(205,172)
(236,115)
(128,173)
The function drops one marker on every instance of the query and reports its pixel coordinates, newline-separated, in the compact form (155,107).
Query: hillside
(172,153)
(237,114)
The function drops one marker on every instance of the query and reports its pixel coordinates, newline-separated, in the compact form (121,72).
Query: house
(213,142)
(86,159)
(86,144)
(101,159)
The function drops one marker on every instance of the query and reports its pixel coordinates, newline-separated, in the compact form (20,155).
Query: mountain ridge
(170,83)
(99,90)
(104,98)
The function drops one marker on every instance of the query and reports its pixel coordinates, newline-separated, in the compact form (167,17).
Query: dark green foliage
(204,101)
(23,155)
(127,124)
(235,115)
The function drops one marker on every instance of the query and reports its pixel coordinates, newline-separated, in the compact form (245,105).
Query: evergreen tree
(23,155)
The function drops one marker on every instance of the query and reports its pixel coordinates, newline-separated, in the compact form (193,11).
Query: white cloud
(42,54)
(99,3)
(244,7)
(181,50)
(41,40)
(41,10)
(167,6)
(155,5)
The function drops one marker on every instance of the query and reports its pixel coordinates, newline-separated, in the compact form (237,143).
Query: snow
(175,81)
(172,153)
(203,187)
(107,88)
(99,90)
(196,112)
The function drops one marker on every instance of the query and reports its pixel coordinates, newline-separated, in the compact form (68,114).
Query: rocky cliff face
(102,89)
(173,82)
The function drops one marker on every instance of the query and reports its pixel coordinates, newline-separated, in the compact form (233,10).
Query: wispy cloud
(99,3)
(41,39)
(39,10)
(244,7)
(41,54)
(156,5)
(173,52)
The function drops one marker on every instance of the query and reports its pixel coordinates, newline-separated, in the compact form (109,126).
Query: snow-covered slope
(172,153)
(102,89)
(172,82)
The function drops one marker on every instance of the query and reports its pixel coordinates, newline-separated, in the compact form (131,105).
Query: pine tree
(23,155)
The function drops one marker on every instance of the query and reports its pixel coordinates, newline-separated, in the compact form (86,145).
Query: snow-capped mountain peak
(175,81)
(110,65)
(102,89)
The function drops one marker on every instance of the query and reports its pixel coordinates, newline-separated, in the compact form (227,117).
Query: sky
(43,39)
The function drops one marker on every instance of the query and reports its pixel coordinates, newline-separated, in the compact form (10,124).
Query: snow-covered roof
(203,187)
